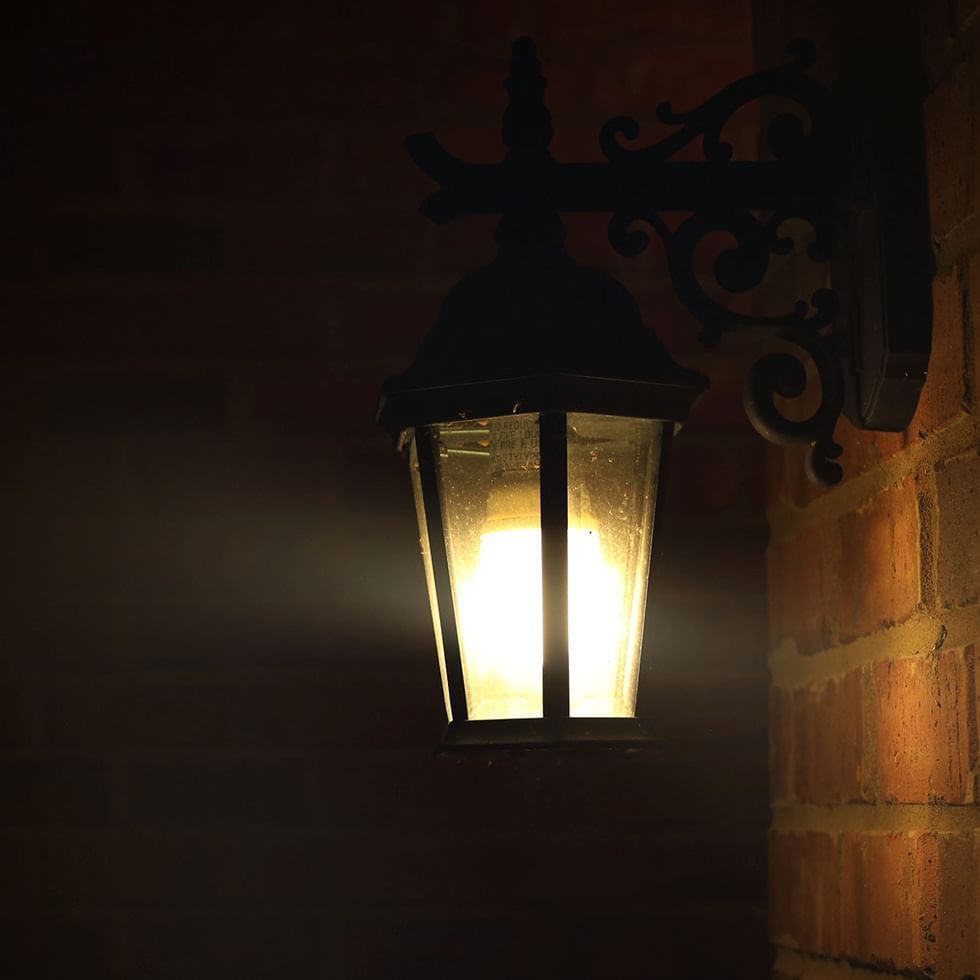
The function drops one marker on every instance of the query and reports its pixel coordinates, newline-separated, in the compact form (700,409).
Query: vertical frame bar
(425,439)
(666,440)
(554,563)
(663,474)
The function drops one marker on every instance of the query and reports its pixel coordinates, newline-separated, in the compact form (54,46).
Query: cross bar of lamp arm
(470,188)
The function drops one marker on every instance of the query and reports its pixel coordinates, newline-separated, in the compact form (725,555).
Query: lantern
(537,420)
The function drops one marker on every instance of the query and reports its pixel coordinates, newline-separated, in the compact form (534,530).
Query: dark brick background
(218,694)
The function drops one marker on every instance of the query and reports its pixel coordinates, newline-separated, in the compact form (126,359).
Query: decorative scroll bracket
(827,168)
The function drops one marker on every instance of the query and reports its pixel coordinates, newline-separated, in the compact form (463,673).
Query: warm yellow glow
(500,626)
(597,629)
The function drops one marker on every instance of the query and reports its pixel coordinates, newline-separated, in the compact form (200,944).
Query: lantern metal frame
(556,726)
(564,338)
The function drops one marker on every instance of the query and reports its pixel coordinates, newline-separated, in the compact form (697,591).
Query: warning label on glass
(514,444)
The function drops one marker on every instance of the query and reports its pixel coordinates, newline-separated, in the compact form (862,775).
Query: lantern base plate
(529,733)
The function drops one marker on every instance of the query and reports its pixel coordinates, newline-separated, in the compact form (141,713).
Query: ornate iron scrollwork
(809,174)
(750,201)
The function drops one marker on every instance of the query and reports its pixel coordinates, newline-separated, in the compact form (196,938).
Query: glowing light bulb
(501,626)
(596,628)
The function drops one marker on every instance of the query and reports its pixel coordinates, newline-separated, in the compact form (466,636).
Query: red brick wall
(874,612)
(218,691)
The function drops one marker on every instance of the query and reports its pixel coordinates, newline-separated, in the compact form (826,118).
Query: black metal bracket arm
(810,176)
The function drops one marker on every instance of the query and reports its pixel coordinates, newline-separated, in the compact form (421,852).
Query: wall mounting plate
(885,264)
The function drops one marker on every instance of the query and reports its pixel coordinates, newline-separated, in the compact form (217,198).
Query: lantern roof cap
(536,315)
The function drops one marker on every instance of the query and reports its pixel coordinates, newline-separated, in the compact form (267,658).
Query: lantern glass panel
(489,485)
(488,477)
(429,576)
(613,473)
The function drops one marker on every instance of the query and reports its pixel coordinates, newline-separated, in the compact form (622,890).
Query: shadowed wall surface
(218,689)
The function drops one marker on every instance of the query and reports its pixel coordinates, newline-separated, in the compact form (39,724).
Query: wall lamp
(538,415)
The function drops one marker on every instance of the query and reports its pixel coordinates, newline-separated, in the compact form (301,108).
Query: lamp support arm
(808,176)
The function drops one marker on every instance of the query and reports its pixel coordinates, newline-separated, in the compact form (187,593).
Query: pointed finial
(527,122)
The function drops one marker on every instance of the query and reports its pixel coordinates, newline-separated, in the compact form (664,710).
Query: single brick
(369,173)
(58,869)
(133,82)
(804,891)
(117,245)
(926,723)
(47,943)
(83,322)
(344,27)
(948,151)
(781,745)
(220,164)
(906,901)
(498,22)
(190,793)
(160,713)
(59,164)
(712,556)
(319,398)
(653,78)
(340,246)
(471,87)
(944,394)
(211,321)
(828,725)
(16,707)
(301,80)
(248,944)
(579,20)
(21,405)
(54,791)
(958,556)
(879,572)
(801,589)
(101,401)
(584,84)
(389,321)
